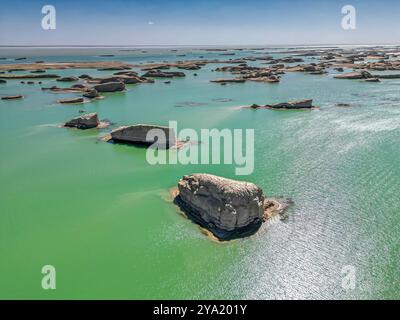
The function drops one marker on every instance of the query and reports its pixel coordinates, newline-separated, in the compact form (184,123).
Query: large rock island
(162,137)
(227,208)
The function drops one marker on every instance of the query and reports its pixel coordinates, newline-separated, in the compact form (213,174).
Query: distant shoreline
(332,45)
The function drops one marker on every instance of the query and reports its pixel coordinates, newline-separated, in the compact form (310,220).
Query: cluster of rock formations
(243,73)
(227,208)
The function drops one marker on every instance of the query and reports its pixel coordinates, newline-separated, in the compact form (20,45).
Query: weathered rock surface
(84,76)
(71,100)
(355,75)
(163,74)
(138,134)
(387,76)
(110,87)
(91,94)
(116,68)
(128,73)
(302,104)
(67,79)
(228,208)
(85,121)
(38,71)
(12,97)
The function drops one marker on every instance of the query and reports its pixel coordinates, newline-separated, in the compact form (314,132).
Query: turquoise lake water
(102,216)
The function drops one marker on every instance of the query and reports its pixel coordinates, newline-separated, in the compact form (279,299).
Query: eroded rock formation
(228,208)
(85,121)
(164,137)
(110,87)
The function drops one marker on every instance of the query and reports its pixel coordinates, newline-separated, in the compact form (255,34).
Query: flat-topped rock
(163,74)
(38,71)
(387,76)
(14,97)
(139,134)
(301,104)
(228,208)
(67,79)
(71,100)
(128,73)
(85,121)
(110,87)
(355,75)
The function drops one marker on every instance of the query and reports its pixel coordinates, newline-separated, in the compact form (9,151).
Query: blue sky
(201,22)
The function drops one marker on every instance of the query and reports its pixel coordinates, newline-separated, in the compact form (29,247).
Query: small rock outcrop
(139,134)
(84,76)
(163,74)
(38,71)
(91,94)
(228,208)
(355,75)
(15,97)
(110,87)
(85,121)
(302,104)
(67,79)
(71,100)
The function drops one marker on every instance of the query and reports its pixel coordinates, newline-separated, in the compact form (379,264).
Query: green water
(101,215)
